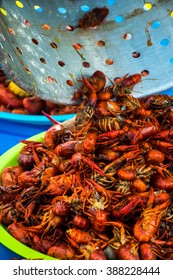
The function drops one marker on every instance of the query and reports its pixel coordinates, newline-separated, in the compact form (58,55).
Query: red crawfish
(162,144)
(112,167)
(36,174)
(61,208)
(96,82)
(33,105)
(119,234)
(28,156)
(95,205)
(49,222)
(9,193)
(9,175)
(19,232)
(78,160)
(105,154)
(92,251)
(113,134)
(154,156)
(98,218)
(85,145)
(107,93)
(89,142)
(97,197)
(158,101)
(107,108)
(67,149)
(138,185)
(98,254)
(131,80)
(81,222)
(128,251)
(147,251)
(8,214)
(142,130)
(62,184)
(162,180)
(61,251)
(127,172)
(93,18)
(129,101)
(102,109)
(125,208)
(78,236)
(166,134)
(86,109)
(56,133)
(148,223)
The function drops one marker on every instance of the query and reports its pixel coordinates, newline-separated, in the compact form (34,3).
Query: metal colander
(45,52)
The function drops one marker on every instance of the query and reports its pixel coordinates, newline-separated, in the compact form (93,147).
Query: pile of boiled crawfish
(28,104)
(100,187)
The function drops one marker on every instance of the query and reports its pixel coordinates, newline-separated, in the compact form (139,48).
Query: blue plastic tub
(7,254)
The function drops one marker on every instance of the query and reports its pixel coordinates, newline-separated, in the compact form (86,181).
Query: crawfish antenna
(50,118)
(87,84)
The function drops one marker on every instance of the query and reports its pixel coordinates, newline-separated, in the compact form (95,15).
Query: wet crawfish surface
(101,187)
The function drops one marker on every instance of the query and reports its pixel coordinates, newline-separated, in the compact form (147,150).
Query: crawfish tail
(147,225)
(113,166)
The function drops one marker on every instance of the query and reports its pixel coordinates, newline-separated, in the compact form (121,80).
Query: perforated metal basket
(43,50)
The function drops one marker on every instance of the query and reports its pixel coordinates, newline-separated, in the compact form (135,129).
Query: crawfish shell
(26,160)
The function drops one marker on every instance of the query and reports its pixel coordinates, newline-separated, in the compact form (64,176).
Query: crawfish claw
(78,158)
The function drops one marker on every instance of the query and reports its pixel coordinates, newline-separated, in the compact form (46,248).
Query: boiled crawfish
(100,187)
